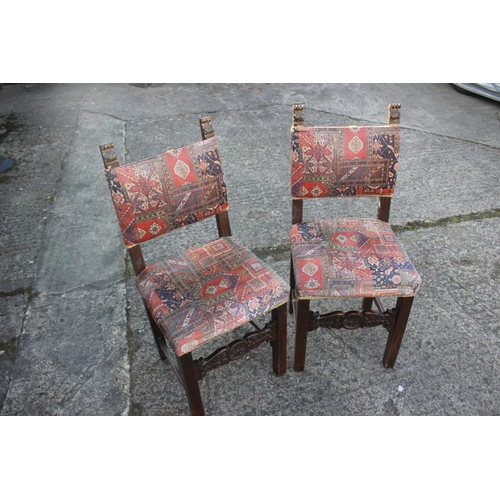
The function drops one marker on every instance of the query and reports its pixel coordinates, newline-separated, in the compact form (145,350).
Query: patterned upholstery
(344,161)
(167,191)
(350,258)
(207,291)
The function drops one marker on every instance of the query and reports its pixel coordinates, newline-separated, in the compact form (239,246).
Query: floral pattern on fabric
(208,291)
(344,161)
(167,191)
(350,258)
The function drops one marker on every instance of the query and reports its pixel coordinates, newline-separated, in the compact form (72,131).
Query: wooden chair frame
(394,320)
(190,371)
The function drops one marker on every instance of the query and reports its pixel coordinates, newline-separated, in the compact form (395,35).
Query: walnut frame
(393,320)
(188,371)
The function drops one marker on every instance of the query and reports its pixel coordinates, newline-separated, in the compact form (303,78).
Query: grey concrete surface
(74,338)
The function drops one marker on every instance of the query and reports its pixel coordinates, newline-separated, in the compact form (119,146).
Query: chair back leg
(158,335)
(403,308)
(301,329)
(367,304)
(292,287)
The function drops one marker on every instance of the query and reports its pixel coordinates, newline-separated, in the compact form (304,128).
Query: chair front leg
(279,316)
(403,308)
(301,329)
(191,385)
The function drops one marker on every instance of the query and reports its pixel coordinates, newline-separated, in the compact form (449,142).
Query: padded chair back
(344,161)
(162,193)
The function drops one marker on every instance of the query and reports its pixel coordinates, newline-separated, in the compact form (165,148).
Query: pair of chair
(212,289)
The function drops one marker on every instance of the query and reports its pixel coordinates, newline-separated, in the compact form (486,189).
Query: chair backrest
(159,194)
(344,161)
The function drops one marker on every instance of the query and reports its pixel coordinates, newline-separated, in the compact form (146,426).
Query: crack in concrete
(454,219)
(275,253)
(105,114)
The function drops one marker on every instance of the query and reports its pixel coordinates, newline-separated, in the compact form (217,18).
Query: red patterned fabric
(167,191)
(207,291)
(344,161)
(350,258)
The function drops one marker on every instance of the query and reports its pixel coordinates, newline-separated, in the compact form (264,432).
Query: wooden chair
(209,289)
(347,257)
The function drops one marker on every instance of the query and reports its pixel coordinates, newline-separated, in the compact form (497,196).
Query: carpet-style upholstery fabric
(167,191)
(344,161)
(350,258)
(207,291)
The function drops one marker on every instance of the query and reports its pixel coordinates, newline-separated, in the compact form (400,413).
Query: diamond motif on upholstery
(256,284)
(310,269)
(356,144)
(181,169)
(217,286)
(316,191)
(344,161)
(350,258)
(162,193)
(154,229)
(207,302)
(346,238)
(312,284)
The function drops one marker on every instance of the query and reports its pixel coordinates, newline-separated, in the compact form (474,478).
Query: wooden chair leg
(367,304)
(191,385)
(301,328)
(292,288)
(158,336)
(279,344)
(396,333)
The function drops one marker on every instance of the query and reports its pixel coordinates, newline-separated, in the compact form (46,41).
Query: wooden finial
(109,156)
(298,115)
(394,114)
(207,129)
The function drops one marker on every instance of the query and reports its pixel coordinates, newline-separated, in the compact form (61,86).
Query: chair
(347,257)
(208,290)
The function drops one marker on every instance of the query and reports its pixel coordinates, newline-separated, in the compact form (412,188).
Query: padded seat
(350,257)
(208,291)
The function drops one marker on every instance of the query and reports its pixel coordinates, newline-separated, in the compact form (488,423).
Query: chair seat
(208,291)
(350,257)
